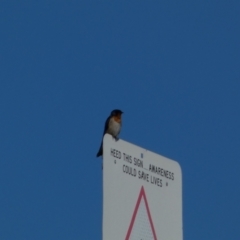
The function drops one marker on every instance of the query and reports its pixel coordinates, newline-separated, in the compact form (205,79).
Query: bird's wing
(100,152)
(106,125)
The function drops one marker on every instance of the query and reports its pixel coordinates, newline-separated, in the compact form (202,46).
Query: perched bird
(112,127)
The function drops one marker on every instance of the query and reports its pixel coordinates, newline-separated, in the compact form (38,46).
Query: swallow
(112,126)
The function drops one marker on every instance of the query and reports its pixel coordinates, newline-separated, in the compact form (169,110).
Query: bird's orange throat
(117,118)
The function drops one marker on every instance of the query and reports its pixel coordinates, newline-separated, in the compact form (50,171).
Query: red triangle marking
(141,194)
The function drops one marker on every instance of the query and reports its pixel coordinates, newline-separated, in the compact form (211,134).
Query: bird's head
(117,114)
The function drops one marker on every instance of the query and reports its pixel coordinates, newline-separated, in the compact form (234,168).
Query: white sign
(142,194)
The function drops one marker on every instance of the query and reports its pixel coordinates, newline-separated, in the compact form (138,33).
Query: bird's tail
(100,152)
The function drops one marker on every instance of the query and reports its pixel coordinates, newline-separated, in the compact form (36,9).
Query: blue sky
(172,67)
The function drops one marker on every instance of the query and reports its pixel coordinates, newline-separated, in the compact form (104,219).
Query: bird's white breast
(114,127)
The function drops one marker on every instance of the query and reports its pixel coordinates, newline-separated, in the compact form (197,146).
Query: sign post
(142,193)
